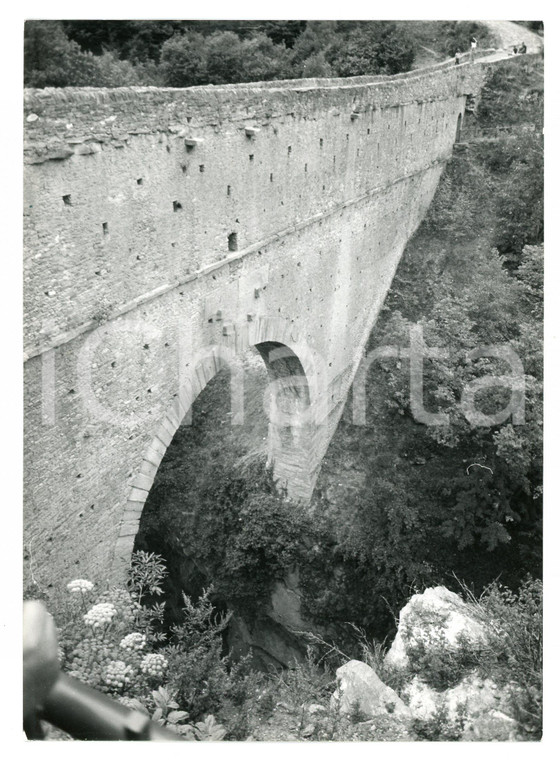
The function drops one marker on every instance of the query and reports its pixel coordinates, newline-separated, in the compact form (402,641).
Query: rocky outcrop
(438,628)
(435,619)
(359,685)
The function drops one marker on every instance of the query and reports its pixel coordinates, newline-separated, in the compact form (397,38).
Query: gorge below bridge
(169,230)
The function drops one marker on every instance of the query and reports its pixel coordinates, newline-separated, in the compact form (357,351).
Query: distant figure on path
(523,48)
(457,57)
(515,49)
(474,44)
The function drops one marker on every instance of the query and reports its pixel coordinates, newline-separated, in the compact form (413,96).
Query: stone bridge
(168,230)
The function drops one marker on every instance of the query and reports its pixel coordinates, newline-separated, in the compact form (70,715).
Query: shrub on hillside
(112,640)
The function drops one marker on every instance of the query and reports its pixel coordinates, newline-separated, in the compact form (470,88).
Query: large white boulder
(433,619)
(476,705)
(471,697)
(358,683)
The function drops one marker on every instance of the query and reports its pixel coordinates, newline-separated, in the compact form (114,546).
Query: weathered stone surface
(270,644)
(156,219)
(435,618)
(358,683)
(315,709)
(285,602)
(477,704)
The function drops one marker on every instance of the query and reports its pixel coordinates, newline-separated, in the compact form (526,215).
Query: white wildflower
(79,586)
(118,674)
(134,641)
(154,665)
(100,614)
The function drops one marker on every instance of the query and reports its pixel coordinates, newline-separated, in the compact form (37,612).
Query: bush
(52,60)
(431,657)
(514,654)
(113,641)
(183,60)
(108,638)
(439,727)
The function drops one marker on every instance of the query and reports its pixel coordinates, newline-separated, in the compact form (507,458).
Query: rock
(435,618)
(491,727)
(357,682)
(473,696)
(87,149)
(269,642)
(308,730)
(474,703)
(285,601)
(314,709)
(421,699)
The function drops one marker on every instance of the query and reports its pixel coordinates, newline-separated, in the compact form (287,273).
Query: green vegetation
(409,511)
(111,639)
(187,53)
(245,535)
(398,505)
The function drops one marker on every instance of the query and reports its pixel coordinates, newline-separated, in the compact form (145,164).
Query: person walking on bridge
(457,57)
(474,44)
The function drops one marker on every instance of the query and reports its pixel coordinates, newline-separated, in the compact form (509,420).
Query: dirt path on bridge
(509,34)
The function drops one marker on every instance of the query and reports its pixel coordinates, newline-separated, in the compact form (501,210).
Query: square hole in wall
(105,228)
(67,200)
(232,241)
(251,157)
(229,189)
(177,206)
(201,168)
(139,181)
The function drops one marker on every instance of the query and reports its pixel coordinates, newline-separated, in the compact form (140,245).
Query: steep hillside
(404,506)
(397,504)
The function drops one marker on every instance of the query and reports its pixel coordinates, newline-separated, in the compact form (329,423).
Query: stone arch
(285,356)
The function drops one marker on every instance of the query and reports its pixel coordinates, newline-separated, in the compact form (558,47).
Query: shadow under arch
(294,371)
(459,128)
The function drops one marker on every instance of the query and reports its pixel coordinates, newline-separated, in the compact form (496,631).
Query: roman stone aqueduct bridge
(168,230)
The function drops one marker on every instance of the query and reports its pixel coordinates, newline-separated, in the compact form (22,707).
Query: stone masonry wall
(161,222)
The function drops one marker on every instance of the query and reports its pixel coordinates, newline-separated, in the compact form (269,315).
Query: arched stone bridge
(167,230)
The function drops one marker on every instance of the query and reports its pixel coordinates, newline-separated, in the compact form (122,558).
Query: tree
(316,66)
(183,60)
(394,49)
(317,38)
(356,48)
(284,32)
(264,60)
(224,58)
(52,60)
